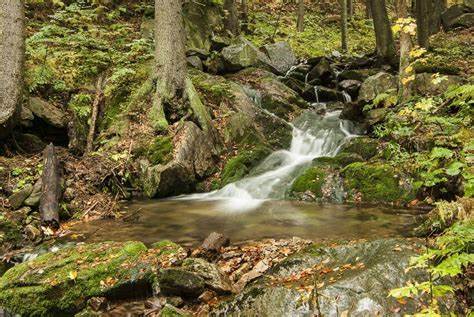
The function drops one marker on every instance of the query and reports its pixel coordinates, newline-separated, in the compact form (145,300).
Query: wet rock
(297,85)
(61,282)
(428,84)
(17,199)
(354,278)
(356,74)
(215,241)
(180,282)
(377,182)
(213,277)
(353,111)
(377,84)
(366,147)
(48,112)
(195,62)
(34,198)
(322,94)
(243,55)
(351,86)
(322,71)
(281,56)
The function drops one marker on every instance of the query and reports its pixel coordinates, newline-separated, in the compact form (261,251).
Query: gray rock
(180,282)
(16,199)
(48,112)
(377,84)
(357,280)
(469,4)
(351,86)
(356,74)
(210,273)
(215,241)
(426,83)
(322,94)
(452,16)
(242,55)
(34,198)
(26,117)
(195,62)
(322,71)
(281,56)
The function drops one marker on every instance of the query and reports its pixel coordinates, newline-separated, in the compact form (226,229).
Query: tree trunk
(350,9)
(245,15)
(383,33)
(344,26)
(300,17)
(99,94)
(437,8)
(231,19)
(51,189)
(368,12)
(12,53)
(423,22)
(170,60)
(405,72)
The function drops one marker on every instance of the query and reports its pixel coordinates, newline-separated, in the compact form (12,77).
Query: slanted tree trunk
(344,26)
(231,18)
(12,52)
(405,72)
(51,189)
(170,60)
(423,22)
(383,33)
(300,16)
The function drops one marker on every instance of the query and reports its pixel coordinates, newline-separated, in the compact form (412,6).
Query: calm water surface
(189,222)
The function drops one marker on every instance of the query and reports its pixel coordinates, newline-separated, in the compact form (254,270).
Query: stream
(255,206)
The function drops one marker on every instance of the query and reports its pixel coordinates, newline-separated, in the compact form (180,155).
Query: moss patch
(311,180)
(376,182)
(364,146)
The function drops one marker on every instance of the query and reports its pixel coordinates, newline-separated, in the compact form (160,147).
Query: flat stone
(16,199)
(48,112)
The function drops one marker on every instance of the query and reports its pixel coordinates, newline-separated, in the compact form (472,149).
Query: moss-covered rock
(180,282)
(160,151)
(59,283)
(171,311)
(364,146)
(376,182)
(10,233)
(241,164)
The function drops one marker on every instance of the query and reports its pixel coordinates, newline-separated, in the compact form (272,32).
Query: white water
(313,136)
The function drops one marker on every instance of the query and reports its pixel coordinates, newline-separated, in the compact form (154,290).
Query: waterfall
(313,136)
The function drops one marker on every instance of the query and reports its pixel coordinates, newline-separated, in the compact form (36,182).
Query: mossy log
(51,190)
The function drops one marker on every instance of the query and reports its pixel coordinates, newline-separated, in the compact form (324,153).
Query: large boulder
(352,279)
(427,84)
(242,55)
(60,283)
(281,56)
(322,72)
(45,110)
(376,84)
(458,15)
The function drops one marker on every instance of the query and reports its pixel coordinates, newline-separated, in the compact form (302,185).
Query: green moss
(10,233)
(341,160)
(364,146)
(376,182)
(160,151)
(167,247)
(171,311)
(311,180)
(240,165)
(59,283)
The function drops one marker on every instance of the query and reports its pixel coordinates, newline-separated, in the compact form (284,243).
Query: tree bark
(245,15)
(12,53)
(99,94)
(405,83)
(170,59)
(51,189)
(231,18)
(368,12)
(350,9)
(423,22)
(344,26)
(383,33)
(437,8)
(300,16)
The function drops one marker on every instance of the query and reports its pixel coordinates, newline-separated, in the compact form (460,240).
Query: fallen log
(51,189)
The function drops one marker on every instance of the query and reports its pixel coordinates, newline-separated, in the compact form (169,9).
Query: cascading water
(314,136)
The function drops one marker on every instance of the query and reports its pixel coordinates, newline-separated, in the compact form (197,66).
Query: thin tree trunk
(12,53)
(300,17)
(383,33)
(423,22)
(95,112)
(170,60)
(344,26)
(231,19)
(405,83)
(437,8)
(245,15)
(51,189)
(368,12)
(350,9)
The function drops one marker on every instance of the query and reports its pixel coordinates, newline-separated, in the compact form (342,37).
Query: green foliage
(451,255)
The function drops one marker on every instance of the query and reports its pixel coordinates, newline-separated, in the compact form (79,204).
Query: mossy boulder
(364,146)
(10,233)
(180,282)
(60,283)
(376,182)
(240,165)
(376,84)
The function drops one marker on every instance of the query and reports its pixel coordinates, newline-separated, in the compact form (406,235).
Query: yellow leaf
(73,275)
(409,69)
